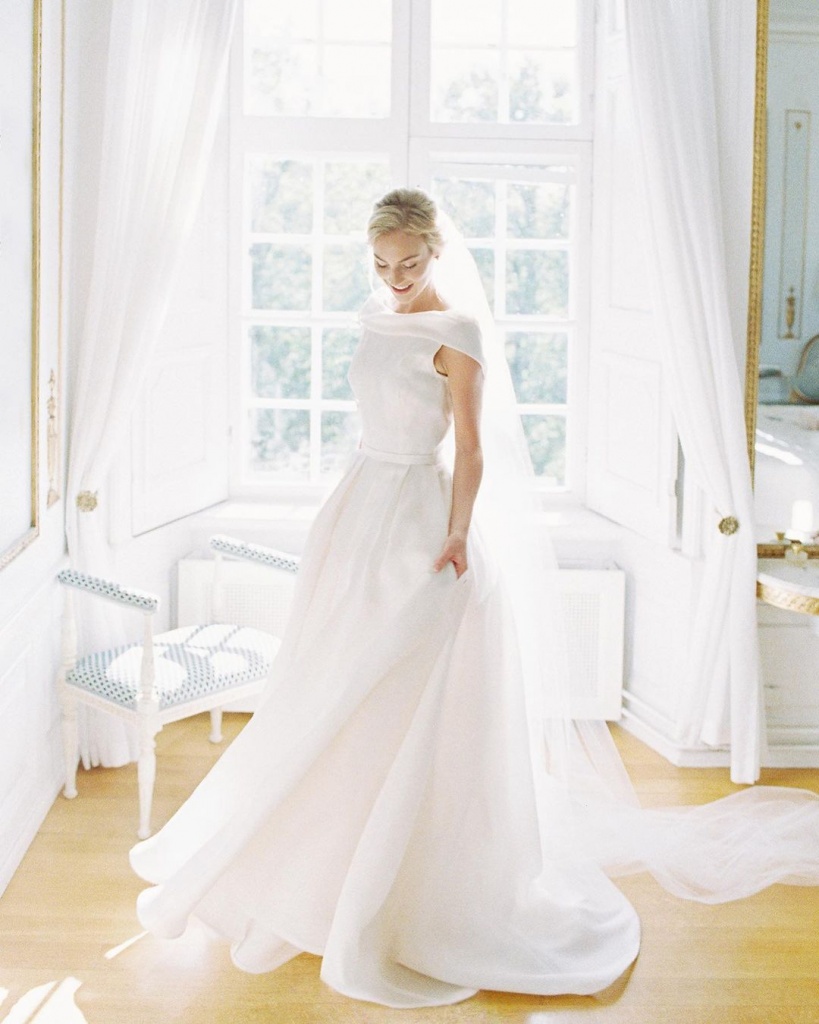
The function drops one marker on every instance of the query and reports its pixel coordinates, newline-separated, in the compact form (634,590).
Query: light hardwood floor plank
(755,961)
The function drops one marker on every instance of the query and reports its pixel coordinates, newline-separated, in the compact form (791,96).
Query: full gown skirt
(379,809)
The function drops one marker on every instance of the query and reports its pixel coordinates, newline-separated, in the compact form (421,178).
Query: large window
(485,104)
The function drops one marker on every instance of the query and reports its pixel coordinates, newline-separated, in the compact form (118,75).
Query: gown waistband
(404,458)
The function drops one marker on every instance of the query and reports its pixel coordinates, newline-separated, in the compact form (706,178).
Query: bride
(412,800)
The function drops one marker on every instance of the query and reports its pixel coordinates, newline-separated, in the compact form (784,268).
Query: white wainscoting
(789,646)
(31,755)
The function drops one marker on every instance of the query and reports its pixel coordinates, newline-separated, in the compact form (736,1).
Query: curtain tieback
(728,525)
(87,501)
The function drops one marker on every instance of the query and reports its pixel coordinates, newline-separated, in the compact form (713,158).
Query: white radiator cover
(593,603)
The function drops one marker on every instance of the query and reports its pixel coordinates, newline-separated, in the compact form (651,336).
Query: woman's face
(405,263)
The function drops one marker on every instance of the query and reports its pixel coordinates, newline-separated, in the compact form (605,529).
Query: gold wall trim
(787,599)
(33,531)
(777,550)
(757,229)
(795,191)
(56,466)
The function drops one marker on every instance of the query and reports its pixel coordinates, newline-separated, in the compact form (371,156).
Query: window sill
(582,538)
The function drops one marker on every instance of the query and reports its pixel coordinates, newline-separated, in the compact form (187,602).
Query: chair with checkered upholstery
(167,677)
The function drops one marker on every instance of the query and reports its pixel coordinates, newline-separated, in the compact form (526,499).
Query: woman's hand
(454,551)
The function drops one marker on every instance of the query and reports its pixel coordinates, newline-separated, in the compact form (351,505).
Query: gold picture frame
(20,505)
(757,229)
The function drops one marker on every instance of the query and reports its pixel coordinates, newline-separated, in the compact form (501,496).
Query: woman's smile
(405,263)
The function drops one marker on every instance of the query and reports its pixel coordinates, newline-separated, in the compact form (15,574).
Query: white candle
(802,517)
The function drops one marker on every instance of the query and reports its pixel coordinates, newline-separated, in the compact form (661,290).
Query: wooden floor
(71,904)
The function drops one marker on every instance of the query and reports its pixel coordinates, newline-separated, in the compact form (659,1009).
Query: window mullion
(501,231)
(317,293)
(315,403)
(503,71)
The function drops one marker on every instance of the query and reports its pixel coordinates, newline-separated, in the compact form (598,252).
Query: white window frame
(414,145)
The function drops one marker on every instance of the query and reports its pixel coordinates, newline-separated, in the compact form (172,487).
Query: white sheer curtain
(167,66)
(678,52)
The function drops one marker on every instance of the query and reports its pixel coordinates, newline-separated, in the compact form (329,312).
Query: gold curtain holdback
(728,525)
(87,501)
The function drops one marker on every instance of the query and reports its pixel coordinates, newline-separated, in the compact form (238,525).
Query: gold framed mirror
(782,364)
(20,82)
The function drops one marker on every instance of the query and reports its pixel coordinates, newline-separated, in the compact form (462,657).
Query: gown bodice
(403,400)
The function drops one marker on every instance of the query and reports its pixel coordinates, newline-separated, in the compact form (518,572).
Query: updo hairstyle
(410,210)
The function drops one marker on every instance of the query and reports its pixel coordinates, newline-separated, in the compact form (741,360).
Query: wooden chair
(167,677)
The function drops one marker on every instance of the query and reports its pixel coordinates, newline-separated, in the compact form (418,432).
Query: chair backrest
(246,551)
(254,553)
(109,590)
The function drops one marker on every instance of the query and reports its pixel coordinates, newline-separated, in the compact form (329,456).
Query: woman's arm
(466,387)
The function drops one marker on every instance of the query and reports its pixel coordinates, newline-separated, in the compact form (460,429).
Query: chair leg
(215,725)
(146,775)
(70,742)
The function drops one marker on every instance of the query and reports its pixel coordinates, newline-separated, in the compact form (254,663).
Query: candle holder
(795,554)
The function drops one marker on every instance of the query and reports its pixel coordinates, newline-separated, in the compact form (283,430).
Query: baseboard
(25,829)
(672,750)
(787,747)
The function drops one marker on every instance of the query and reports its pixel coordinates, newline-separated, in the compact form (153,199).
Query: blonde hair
(410,210)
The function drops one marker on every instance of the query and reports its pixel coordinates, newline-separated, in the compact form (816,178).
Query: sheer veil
(587,806)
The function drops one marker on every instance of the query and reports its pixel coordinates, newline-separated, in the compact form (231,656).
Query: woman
(412,801)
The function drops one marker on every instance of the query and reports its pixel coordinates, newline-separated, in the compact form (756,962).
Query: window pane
(542,88)
(485,262)
(280,276)
(266,21)
(346,285)
(537,282)
(365,21)
(280,443)
(466,22)
(338,345)
(546,436)
(340,432)
(547,23)
(354,81)
(281,195)
(300,65)
(279,362)
(538,363)
(464,85)
(350,189)
(538,211)
(471,204)
(281,79)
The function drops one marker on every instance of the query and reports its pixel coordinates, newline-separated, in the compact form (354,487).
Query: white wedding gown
(379,808)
